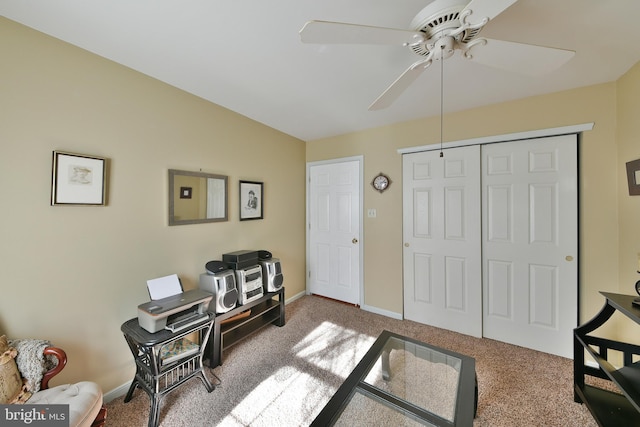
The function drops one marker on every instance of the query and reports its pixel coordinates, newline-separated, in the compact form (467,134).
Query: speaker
(264,254)
(272,278)
(223,287)
(214,267)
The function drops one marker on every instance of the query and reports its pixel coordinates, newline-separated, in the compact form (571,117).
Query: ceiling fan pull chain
(441,99)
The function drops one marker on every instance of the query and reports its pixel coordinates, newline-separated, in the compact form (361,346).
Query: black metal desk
(402,381)
(156,376)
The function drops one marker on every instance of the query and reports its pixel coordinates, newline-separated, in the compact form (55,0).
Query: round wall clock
(381,182)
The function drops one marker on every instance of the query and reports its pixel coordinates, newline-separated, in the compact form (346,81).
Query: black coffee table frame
(466,399)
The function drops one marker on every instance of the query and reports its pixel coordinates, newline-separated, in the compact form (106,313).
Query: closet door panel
(530,220)
(442,239)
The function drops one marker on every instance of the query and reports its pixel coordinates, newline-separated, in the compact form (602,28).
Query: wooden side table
(159,371)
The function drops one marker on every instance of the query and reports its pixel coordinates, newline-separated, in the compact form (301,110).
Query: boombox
(249,284)
(223,286)
(271,274)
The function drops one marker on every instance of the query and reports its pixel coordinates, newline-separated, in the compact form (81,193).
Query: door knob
(569,258)
(406,245)
(354,241)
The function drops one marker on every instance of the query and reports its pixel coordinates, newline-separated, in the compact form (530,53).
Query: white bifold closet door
(490,235)
(530,243)
(442,239)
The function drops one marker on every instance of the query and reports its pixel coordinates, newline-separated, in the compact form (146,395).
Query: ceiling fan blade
(519,57)
(481,9)
(400,85)
(325,32)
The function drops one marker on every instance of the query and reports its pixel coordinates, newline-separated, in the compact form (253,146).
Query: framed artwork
(185,192)
(633,177)
(251,200)
(78,179)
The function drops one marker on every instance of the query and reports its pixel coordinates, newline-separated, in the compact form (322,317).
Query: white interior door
(442,239)
(530,212)
(334,213)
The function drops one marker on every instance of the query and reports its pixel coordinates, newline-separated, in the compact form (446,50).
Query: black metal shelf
(608,408)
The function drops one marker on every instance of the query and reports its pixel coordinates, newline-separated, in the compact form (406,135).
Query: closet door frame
(541,133)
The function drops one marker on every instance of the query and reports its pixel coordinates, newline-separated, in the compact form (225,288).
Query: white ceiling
(246,55)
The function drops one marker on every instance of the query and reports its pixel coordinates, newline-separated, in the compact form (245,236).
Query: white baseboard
(295,297)
(116,392)
(387,313)
(364,307)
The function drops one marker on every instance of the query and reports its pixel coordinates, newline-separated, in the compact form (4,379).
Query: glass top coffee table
(405,382)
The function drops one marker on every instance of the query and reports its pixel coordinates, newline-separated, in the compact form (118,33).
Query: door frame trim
(360,160)
(541,133)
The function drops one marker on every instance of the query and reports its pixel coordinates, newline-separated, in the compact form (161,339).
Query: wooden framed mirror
(197,197)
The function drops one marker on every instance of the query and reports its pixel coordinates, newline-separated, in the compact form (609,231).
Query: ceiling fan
(436,33)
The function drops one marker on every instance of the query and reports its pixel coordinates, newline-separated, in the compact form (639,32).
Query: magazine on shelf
(177,349)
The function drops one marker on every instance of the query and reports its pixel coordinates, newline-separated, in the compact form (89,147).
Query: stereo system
(241,277)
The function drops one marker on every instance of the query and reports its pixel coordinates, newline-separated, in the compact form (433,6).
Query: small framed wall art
(633,177)
(185,192)
(78,179)
(251,200)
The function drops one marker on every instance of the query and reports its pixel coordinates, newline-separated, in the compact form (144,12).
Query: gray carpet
(284,376)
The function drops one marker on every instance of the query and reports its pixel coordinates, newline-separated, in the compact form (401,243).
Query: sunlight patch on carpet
(334,348)
(299,390)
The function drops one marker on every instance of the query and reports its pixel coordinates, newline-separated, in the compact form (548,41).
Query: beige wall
(73,275)
(600,177)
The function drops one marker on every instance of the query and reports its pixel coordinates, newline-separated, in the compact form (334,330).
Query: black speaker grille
(277,281)
(230,299)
